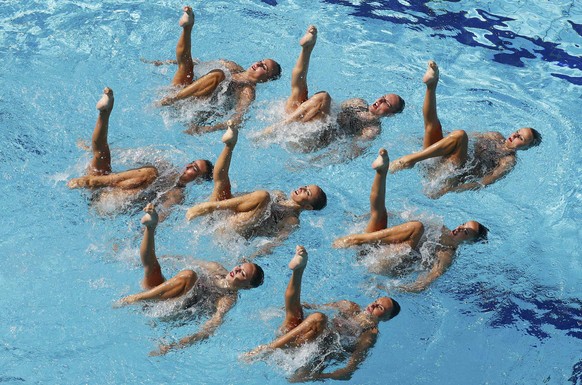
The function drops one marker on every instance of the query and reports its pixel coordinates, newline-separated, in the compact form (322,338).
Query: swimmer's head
(387,105)
(471,231)
(200,169)
(245,276)
(310,197)
(384,308)
(523,139)
(264,70)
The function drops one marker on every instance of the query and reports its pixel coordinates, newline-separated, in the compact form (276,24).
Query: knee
(417,228)
(318,320)
(262,197)
(460,135)
(217,75)
(151,173)
(322,97)
(188,278)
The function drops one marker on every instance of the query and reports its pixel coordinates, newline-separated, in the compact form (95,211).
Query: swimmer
(260,213)
(356,119)
(410,233)
(495,155)
(131,182)
(212,285)
(241,88)
(356,327)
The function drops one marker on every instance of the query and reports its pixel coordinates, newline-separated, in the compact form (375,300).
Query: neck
(366,320)
(290,205)
(448,240)
(243,77)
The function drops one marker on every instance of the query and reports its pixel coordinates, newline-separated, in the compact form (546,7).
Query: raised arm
(224,304)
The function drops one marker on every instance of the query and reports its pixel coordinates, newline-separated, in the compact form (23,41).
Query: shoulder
(346,306)
(215,268)
(355,102)
(231,66)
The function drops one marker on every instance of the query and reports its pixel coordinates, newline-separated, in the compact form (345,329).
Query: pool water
(506,312)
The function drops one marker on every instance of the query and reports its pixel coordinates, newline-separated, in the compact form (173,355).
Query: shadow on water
(496,30)
(530,310)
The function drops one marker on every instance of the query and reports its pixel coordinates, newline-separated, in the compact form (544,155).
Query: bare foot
(342,243)
(431,75)
(255,354)
(187,19)
(299,260)
(77,182)
(382,161)
(198,210)
(310,37)
(401,164)
(230,137)
(105,104)
(150,218)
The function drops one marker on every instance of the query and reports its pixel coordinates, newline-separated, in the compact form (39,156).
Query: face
(194,170)
(385,105)
(381,308)
(262,70)
(240,276)
(520,139)
(305,196)
(466,232)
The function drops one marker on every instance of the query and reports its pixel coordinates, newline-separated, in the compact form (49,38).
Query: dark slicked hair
(482,233)
(537,137)
(402,104)
(210,168)
(259,276)
(276,71)
(395,308)
(321,202)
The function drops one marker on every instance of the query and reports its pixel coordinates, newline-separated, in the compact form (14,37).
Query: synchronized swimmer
(356,118)
(494,155)
(275,215)
(241,88)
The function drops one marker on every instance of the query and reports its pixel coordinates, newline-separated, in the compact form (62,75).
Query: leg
(306,331)
(185,73)
(409,233)
(220,176)
(378,214)
(454,146)
(293,308)
(101,162)
(135,179)
(152,272)
(316,107)
(299,91)
(252,205)
(201,88)
(433,131)
(176,286)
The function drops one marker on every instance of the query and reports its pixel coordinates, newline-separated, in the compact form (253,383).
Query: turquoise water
(508,312)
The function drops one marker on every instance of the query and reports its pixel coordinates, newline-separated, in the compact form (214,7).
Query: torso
(488,150)
(354,117)
(274,219)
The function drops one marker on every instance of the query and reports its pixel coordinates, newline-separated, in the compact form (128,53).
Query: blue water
(507,312)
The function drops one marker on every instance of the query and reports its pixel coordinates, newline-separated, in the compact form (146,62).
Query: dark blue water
(507,46)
